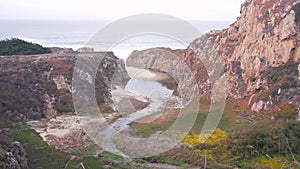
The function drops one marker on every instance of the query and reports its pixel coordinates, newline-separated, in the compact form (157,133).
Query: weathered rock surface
(64,133)
(264,38)
(164,60)
(36,86)
(12,154)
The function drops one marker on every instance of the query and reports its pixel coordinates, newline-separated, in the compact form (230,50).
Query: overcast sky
(226,10)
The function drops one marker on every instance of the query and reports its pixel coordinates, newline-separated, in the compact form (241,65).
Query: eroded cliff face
(36,86)
(166,60)
(12,154)
(265,38)
(265,34)
(14,158)
(40,86)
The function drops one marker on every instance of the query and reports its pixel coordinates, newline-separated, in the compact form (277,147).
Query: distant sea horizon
(75,34)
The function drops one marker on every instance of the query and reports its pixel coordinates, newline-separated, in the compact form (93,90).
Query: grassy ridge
(17,46)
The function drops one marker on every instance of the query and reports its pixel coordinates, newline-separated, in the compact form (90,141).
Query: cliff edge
(260,55)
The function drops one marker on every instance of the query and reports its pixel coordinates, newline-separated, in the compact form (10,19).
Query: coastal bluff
(260,56)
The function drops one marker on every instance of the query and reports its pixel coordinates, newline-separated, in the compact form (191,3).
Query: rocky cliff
(12,155)
(40,86)
(36,86)
(260,55)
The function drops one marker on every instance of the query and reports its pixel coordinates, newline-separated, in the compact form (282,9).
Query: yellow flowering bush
(273,162)
(207,138)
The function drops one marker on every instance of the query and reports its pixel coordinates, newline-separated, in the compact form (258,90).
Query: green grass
(147,130)
(173,161)
(286,112)
(166,158)
(227,123)
(88,162)
(111,156)
(234,150)
(40,155)
(276,161)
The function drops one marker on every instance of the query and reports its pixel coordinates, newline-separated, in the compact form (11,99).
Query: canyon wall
(40,86)
(260,55)
(37,86)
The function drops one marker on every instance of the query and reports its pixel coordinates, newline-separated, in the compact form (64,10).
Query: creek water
(147,86)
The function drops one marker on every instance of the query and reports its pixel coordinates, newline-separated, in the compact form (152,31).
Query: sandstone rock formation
(264,38)
(162,59)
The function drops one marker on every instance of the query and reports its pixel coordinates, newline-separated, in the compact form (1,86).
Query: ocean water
(75,34)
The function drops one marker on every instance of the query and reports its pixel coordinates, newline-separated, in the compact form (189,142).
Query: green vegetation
(20,47)
(286,111)
(227,122)
(276,74)
(111,156)
(270,147)
(282,78)
(266,14)
(296,8)
(41,156)
(195,139)
(146,130)
(263,143)
(64,103)
(224,70)
(87,162)
(236,28)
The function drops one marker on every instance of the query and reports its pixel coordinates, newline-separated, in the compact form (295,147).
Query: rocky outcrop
(17,156)
(36,86)
(85,50)
(64,133)
(264,37)
(12,154)
(164,60)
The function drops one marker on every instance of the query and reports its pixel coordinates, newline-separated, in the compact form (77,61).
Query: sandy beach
(147,74)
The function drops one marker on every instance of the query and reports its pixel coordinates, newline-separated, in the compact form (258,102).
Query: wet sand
(147,74)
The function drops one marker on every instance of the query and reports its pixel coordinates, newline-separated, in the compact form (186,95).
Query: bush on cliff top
(296,8)
(20,47)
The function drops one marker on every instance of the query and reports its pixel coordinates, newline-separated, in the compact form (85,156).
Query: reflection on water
(147,87)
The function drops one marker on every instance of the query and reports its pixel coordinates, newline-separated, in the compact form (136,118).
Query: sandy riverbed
(147,74)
